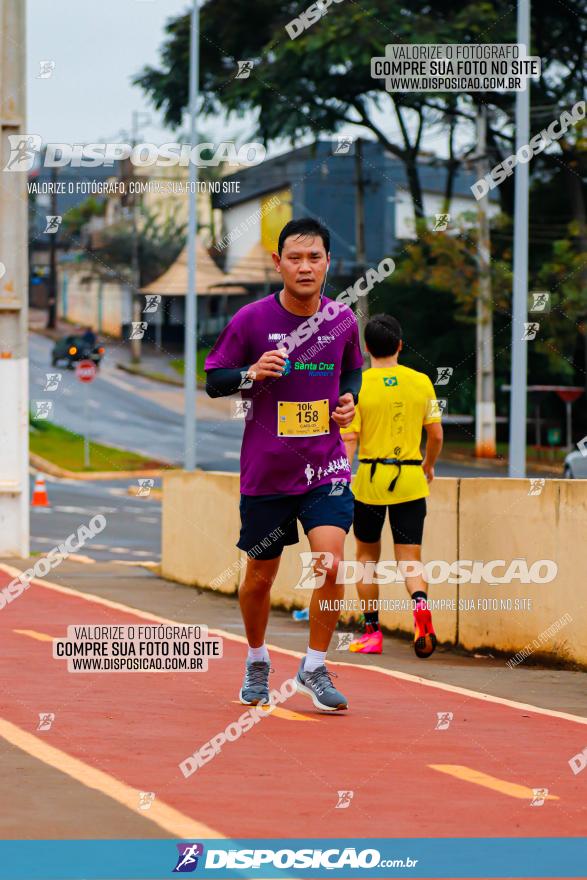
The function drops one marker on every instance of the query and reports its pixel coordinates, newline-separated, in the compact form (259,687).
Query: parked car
(75,348)
(575,466)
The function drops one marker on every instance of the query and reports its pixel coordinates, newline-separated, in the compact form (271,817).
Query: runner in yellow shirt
(394,404)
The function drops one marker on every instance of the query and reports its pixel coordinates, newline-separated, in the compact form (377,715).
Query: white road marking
(140,509)
(147,519)
(55,542)
(229,454)
(120,383)
(84,511)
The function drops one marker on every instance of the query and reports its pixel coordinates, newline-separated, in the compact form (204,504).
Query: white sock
(314,659)
(257,654)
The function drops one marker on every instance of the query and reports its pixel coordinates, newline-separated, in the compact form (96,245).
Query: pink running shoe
(370,643)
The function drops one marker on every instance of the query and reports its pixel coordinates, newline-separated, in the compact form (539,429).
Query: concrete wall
(470,519)
(85,300)
(500,520)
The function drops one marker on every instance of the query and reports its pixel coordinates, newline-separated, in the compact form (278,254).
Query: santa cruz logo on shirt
(315,368)
(312,368)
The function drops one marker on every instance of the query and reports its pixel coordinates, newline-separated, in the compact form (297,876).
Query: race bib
(305,419)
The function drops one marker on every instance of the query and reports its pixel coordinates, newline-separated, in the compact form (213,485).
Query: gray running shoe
(255,687)
(318,685)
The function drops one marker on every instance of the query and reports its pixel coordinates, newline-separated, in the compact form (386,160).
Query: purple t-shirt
(290,443)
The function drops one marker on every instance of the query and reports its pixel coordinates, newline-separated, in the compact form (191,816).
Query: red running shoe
(424,635)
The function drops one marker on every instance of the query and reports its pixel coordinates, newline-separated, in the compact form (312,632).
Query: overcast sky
(97,48)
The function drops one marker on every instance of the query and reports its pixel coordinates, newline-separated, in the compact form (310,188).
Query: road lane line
(467,774)
(84,511)
(391,673)
(33,634)
(79,557)
(279,712)
(148,563)
(175,823)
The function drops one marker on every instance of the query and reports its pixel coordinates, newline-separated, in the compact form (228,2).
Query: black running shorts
(406,520)
(269,522)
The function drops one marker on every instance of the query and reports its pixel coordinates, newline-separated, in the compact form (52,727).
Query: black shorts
(406,520)
(269,522)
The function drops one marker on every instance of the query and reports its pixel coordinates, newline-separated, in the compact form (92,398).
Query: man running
(293,463)
(392,477)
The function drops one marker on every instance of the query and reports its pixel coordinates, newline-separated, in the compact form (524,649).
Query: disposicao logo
(188,855)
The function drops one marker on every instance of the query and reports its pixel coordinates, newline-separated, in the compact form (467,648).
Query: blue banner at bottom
(387,858)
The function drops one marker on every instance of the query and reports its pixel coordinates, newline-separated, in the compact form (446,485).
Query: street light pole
(518,402)
(191,316)
(52,299)
(485,382)
(137,300)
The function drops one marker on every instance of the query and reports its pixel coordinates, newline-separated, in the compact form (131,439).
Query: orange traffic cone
(40,498)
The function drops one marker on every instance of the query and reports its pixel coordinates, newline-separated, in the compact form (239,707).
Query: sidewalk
(154,364)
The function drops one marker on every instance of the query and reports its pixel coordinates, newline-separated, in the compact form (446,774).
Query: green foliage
(160,242)
(66,449)
(76,217)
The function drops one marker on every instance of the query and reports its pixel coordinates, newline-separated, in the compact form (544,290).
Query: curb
(47,467)
(499,464)
(156,377)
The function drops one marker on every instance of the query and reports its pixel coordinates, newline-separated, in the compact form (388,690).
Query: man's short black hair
(383,335)
(304,226)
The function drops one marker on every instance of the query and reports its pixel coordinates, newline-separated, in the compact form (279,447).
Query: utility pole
(191,312)
(485,385)
(519,377)
(360,256)
(137,304)
(14,402)
(52,298)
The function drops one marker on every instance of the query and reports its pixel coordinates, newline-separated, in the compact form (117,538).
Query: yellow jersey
(394,404)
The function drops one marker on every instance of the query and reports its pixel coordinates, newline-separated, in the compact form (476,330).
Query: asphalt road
(147,417)
(133,525)
(124,411)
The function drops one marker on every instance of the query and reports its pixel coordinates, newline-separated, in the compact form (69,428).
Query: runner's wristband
(350,383)
(224,381)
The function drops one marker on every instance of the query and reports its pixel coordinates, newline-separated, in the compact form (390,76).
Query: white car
(575,466)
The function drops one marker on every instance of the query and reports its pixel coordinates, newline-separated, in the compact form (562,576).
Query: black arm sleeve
(350,382)
(224,381)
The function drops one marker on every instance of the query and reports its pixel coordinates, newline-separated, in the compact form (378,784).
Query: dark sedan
(75,348)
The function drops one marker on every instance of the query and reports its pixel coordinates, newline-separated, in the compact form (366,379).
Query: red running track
(281,778)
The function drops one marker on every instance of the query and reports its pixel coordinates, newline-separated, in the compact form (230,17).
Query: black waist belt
(399,462)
